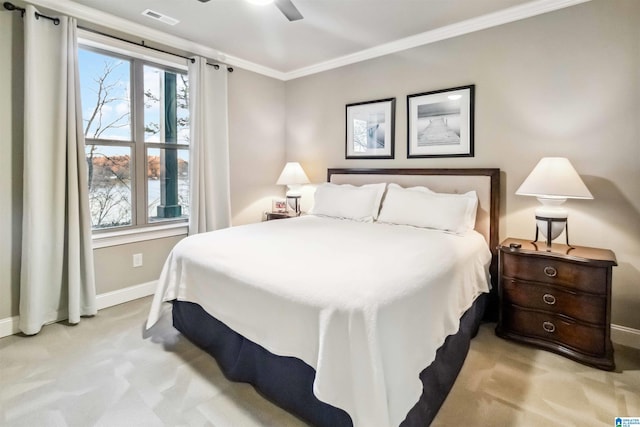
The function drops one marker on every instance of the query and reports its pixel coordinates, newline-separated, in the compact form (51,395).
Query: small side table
(558,300)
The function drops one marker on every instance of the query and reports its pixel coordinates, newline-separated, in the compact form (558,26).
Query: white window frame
(141,232)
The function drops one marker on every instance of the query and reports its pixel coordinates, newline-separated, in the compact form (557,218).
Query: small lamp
(553,181)
(293,177)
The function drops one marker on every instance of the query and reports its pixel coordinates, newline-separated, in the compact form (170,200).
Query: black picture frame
(370,129)
(440,123)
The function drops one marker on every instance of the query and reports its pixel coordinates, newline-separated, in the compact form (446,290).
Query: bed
(343,322)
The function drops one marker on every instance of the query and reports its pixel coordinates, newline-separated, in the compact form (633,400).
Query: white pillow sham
(348,202)
(422,207)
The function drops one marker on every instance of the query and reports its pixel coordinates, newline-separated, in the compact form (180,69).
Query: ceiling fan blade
(203,1)
(288,9)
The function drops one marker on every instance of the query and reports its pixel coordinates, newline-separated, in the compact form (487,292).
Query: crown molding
(483,22)
(505,16)
(107,20)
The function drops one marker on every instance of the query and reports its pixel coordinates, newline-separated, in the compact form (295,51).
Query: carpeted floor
(106,372)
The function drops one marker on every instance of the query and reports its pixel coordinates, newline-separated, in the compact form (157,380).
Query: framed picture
(371,129)
(440,123)
(278,206)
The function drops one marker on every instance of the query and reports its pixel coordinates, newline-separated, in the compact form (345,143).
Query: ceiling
(331,29)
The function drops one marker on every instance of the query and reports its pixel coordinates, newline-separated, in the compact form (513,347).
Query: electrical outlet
(137,260)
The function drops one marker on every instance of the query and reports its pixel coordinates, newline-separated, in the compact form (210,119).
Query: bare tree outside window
(107,116)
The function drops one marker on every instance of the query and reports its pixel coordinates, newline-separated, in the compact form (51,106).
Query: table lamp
(553,181)
(293,177)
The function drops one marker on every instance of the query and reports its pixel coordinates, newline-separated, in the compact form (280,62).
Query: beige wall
(565,83)
(114,264)
(256,134)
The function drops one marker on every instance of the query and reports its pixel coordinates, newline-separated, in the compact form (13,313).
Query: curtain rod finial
(10,6)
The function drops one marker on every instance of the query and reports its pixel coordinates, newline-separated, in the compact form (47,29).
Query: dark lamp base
(294,203)
(550,222)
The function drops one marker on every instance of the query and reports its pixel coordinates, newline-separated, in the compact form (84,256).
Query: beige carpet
(104,373)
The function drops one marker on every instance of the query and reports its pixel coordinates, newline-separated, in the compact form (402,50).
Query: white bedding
(365,304)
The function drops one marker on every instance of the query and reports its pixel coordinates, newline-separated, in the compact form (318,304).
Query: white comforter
(365,304)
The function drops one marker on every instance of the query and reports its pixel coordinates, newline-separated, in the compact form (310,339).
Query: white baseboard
(109,299)
(9,326)
(625,336)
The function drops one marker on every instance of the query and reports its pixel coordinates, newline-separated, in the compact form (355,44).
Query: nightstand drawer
(580,277)
(552,328)
(588,308)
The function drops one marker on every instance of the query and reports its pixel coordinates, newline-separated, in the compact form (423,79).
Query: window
(136,126)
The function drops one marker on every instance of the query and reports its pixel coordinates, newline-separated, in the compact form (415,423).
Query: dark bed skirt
(288,381)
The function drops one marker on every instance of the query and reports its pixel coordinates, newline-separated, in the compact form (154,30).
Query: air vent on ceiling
(160,17)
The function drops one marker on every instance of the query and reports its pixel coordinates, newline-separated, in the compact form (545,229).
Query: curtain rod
(216,66)
(10,6)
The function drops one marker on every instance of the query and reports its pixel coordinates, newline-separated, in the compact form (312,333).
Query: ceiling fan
(287,7)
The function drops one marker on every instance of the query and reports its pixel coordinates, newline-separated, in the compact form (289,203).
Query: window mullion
(139,147)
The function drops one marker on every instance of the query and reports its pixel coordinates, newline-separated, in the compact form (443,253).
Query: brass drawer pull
(549,327)
(549,299)
(550,271)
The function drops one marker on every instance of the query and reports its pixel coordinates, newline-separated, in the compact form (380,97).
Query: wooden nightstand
(559,300)
(277,215)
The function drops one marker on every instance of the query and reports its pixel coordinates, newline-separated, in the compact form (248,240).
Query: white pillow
(348,202)
(421,207)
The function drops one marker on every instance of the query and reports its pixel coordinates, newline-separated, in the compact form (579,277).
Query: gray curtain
(57,276)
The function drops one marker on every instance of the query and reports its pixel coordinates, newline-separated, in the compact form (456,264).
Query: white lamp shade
(554,177)
(292,174)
